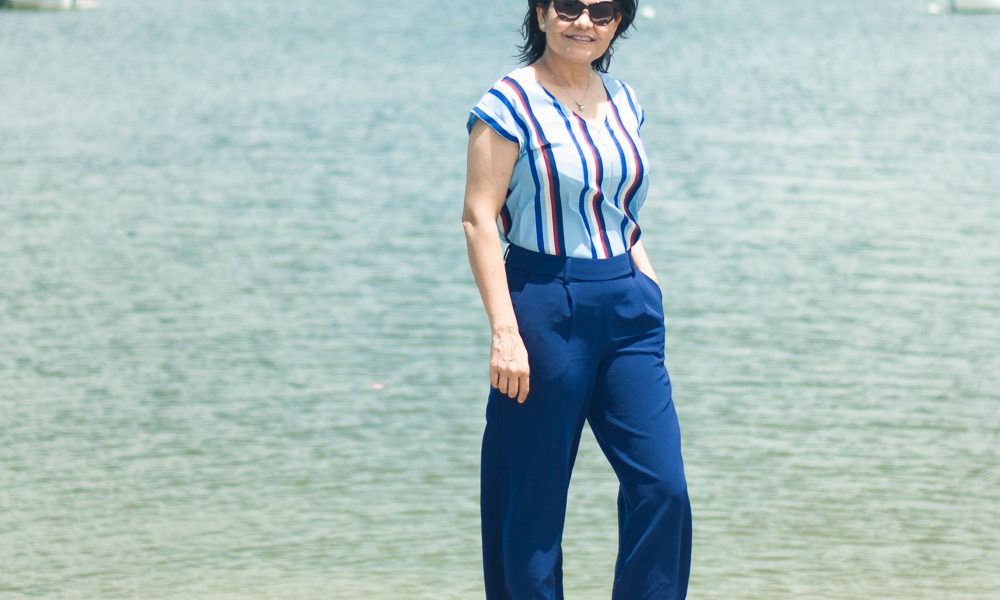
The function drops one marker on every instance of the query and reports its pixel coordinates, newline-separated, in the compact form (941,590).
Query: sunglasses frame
(578,5)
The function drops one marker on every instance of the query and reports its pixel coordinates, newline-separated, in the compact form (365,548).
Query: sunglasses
(601,13)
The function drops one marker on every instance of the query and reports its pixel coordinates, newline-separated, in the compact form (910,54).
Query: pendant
(579,105)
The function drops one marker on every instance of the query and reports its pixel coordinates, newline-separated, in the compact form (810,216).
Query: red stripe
(634,151)
(505,221)
(549,173)
(595,201)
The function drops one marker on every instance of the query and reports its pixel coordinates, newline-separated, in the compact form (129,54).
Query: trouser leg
(633,418)
(527,459)
(634,421)
(528,453)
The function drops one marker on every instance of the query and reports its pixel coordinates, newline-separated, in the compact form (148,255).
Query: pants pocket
(544,319)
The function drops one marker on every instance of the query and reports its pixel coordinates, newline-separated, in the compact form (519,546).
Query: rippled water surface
(241,355)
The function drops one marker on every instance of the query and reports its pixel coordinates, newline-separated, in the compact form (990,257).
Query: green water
(241,355)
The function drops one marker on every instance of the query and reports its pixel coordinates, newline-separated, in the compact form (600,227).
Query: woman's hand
(509,372)
(642,261)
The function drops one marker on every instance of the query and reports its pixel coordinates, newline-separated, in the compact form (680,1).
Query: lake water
(242,356)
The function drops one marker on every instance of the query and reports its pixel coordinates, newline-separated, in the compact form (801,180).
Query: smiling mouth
(580,38)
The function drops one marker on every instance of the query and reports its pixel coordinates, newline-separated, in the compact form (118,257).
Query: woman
(555,160)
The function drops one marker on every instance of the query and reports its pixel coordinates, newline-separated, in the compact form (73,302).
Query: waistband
(569,268)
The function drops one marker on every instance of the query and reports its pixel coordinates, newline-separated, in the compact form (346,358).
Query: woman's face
(580,39)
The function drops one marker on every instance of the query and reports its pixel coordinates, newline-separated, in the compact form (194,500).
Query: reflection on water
(242,355)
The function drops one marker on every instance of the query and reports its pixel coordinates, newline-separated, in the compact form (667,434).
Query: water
(241,355)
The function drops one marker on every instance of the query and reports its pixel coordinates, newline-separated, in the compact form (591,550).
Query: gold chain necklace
(578,103)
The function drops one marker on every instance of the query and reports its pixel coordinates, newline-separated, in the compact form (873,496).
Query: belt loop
(567,270)
(631,263)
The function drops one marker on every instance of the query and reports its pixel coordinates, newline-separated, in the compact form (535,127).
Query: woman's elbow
(470,224)
(474,220)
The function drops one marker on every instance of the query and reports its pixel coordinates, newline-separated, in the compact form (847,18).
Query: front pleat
(569,306)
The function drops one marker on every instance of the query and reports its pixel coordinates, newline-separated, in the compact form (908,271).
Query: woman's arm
(491,161)
(642,261)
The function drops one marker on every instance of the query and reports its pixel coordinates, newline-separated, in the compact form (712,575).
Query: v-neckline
(597,121)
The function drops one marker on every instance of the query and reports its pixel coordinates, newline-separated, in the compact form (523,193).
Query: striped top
(577,185)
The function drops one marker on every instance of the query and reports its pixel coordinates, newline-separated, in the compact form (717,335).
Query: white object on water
(933,8)
(975,5)
(647,12)
(52,4)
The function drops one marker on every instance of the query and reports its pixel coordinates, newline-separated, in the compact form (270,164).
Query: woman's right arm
(491,161)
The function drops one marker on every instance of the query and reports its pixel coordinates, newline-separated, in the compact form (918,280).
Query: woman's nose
(584,19)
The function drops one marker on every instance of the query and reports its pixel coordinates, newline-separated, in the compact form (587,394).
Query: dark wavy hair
(534,38)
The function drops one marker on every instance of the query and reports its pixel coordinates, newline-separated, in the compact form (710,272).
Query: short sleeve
(498,111)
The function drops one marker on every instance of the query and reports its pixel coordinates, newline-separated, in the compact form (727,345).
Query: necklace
(578,103)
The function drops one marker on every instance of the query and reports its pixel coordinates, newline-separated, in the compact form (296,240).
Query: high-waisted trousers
(593,329)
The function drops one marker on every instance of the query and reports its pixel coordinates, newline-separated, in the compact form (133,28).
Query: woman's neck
(567,73)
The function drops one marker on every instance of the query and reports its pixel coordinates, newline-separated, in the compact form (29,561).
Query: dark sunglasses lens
(569,9)
(601,13)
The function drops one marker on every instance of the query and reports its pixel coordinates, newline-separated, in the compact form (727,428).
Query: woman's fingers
(511,379)
(510,388)
(509,372)
(504,383)
(522,389)
(516,378)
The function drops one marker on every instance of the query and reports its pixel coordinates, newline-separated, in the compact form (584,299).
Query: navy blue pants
(593,330)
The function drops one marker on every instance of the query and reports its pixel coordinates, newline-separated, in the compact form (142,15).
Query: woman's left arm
(642,261)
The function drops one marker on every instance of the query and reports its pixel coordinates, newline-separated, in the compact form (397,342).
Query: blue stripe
(513,112)
(540,240)
(507,221)
(621,183)
(640,172)
(599,196)
(632,104)
(497,127)
(586,171)
(552,173)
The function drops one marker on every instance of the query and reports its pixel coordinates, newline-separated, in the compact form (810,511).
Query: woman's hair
(534,38)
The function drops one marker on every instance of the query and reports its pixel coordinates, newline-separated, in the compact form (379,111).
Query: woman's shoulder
(521,77)
(505,106)
(623,97)
(617,88)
